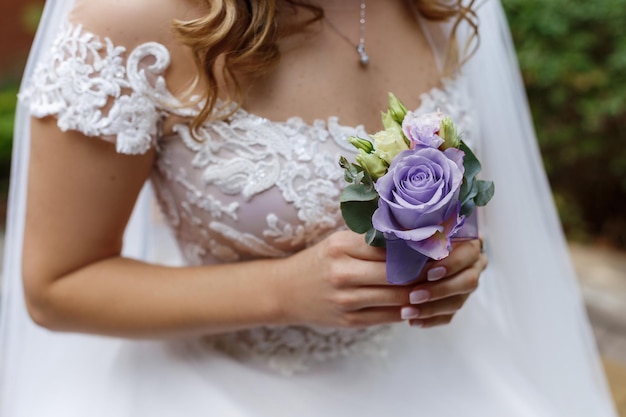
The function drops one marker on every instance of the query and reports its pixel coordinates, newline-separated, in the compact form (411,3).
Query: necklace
(364,58)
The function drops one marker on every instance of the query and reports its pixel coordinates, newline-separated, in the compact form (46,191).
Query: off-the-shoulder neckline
(170,104)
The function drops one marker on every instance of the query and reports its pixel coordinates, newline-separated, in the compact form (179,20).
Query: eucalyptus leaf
(470,162)
(358,214)
(468,208)
(352,172)
(485,190)
(375,238)
(464,191)
(367,179)
(466,186)
(358,192)
(469,194)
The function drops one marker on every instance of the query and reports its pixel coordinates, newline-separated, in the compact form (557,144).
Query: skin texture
(81,193)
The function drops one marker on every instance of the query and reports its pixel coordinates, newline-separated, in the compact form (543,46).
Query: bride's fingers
(433,309)
(464,282)
(375,296)
(464,255)
(435,321)
(372,317)
(352,244)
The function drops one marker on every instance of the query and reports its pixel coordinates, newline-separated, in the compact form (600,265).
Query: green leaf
(366,179)
(351,171)
(358,214)
(465,189)
(375,238)
(468,208)
(355,173)
(358,192)
(470,162)
(344,163)
(469,193)
(486,190)
(366,145)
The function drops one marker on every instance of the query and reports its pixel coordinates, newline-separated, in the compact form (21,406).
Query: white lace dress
(248,188)
(253,188)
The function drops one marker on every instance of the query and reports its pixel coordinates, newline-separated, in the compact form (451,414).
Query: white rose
(389,143)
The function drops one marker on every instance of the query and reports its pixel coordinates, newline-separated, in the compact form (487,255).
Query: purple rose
(423,129)
(419,199)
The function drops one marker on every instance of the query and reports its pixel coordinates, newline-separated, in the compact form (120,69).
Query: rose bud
(361,144)
(396,108)
(389,122)
(449,134)
(372,164)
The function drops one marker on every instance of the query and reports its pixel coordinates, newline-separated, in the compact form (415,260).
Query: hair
(240,37)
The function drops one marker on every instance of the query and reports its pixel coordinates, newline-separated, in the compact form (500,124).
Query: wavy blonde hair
(241,36)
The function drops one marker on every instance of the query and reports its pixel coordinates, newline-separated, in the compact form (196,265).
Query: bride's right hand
(339,282)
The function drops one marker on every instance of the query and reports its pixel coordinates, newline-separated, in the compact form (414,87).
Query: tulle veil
(538,330)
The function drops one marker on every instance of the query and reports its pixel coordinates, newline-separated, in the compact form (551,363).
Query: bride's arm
(81,193)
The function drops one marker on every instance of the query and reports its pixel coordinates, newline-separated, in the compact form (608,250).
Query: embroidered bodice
(249,188)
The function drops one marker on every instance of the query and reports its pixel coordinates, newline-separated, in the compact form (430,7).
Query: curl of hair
(243,34)
(458,12)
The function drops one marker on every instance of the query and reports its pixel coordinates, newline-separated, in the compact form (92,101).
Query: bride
(237,111)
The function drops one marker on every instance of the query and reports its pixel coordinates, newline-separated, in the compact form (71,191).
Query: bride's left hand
(446,285)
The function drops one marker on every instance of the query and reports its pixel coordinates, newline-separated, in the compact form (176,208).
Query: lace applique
(296,349)
(246,242)
(282,232)
(87,85)
(246,157)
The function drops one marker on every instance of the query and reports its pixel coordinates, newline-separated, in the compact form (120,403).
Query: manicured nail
(419,296)
(436,273)
(415,323)
(409,313)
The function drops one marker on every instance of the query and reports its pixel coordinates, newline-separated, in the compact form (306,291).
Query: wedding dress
(261,188)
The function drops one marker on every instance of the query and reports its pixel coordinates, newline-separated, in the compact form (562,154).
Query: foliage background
(573,58)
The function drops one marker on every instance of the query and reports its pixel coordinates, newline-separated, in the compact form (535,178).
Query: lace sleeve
(94,87)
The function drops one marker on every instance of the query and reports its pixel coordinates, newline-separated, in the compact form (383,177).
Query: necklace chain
(364,58)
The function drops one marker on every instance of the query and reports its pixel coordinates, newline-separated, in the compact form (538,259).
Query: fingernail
(409,313)
(414,323)
(436,273)
(419,296)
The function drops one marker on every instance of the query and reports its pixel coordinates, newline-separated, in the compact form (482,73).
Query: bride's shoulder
(119,54)
(131,23)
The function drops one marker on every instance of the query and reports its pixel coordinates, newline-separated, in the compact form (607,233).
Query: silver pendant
(364,58)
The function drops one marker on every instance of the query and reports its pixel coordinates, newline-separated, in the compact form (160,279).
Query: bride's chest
(252,188)
(319,71)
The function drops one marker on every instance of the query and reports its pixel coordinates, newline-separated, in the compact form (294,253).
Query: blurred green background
(573,58)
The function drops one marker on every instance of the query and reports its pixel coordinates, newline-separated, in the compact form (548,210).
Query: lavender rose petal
(418,201)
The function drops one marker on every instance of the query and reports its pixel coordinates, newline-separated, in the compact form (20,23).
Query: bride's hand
(341,282)
(446,286)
